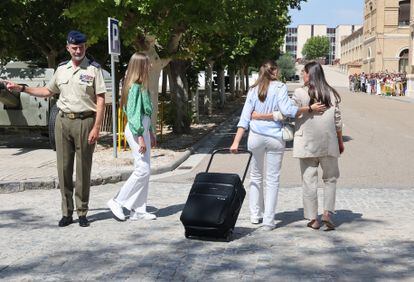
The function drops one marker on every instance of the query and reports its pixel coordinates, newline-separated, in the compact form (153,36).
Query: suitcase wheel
(229,235)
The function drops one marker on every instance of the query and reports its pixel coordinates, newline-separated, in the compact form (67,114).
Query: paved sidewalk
(373,241)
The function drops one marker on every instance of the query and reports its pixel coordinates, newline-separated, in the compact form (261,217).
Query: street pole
(113,105)
(114,49)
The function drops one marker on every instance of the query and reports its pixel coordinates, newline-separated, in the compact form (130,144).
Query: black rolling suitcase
(214,203)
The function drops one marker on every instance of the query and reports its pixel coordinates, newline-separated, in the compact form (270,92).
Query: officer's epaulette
(63,63)
(94,63)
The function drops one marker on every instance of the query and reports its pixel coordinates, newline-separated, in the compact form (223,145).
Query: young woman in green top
(136,103)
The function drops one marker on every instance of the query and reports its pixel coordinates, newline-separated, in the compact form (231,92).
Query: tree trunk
(242,80)
(164,82)
(237,84)
(179,95)
(221,87)
(51,59)
(246,72)
(154,76)
(147,44)
(208,96)
(232,82)
(196,106)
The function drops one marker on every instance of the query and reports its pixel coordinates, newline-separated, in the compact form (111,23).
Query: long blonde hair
(266,75)
(137,72)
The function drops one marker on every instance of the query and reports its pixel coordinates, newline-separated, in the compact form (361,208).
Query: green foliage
(316,47)
(286,66)
(33,30)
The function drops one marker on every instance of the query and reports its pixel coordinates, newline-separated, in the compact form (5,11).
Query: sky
(328,12)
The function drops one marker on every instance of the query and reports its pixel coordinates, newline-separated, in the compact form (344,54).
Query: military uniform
(78,88)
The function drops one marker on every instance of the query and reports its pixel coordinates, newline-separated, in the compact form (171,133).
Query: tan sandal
(310,224)
(329,225)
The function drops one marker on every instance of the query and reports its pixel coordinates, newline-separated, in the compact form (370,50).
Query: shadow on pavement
(288,217)
(25,218)
(104,214)
(346,138)
(170,210)
(180,259)
(27,142)
(341,217)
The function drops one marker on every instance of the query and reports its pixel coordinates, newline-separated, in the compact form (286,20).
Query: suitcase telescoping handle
(227,150)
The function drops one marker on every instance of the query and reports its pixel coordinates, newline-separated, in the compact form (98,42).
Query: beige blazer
(315,134)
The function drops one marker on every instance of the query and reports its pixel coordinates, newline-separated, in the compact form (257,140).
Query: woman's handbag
(288,131)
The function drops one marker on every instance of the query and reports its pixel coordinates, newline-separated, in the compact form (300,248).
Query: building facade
(386,35)
(352,52)
(410,75)
(296,38)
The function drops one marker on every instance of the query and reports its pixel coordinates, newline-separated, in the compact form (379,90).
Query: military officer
(80,85)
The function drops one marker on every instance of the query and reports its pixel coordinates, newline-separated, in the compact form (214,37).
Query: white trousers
(269,150)
(133,195)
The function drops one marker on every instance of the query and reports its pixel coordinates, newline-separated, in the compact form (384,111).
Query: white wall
(304,32)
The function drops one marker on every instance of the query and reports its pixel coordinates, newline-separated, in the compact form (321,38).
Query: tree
(156,27)
(287,67)
(316,47)
(34,30)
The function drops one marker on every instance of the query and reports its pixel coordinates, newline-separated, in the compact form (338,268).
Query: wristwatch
(310,109)
(23,87)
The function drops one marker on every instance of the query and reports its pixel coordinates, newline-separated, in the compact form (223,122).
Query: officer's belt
(81,115)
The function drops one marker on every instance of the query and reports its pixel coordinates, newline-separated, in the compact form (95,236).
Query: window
(403,62)
(404,13)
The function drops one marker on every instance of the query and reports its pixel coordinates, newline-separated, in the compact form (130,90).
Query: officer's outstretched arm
(34,91)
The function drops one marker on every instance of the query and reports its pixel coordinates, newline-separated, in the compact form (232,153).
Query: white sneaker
(142,215)
(256,220)
(116,209)
(268,227)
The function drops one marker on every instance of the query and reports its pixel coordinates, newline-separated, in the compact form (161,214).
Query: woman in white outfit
(265,140)
(136,103)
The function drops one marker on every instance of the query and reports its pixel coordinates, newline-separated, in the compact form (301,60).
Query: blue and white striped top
(277,99)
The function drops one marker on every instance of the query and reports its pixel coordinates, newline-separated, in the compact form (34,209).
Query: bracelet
(310,109)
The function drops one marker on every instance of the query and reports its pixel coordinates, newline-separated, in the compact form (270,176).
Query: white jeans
(133,195)
(272,148)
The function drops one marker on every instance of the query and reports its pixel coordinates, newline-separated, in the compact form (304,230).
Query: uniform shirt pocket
(62,81)
(86,83)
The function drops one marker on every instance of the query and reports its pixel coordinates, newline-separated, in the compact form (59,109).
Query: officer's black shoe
(65,221)
(83,221)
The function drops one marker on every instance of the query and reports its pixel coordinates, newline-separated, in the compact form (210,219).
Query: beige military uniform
(77,89)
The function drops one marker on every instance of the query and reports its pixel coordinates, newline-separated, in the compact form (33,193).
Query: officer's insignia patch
(86,78)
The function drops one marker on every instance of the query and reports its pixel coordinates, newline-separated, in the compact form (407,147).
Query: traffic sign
(114,43)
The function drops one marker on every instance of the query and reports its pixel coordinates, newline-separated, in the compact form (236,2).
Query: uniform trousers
(71,136)
(134,193)
(267,150)
(309,169)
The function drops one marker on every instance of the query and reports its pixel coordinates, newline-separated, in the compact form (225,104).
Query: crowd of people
(384,83)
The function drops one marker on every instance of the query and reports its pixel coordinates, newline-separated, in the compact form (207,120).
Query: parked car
(294,78)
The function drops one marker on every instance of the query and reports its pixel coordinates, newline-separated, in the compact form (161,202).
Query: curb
(7,187)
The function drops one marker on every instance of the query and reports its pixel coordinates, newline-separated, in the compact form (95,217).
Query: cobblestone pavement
(373,241)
